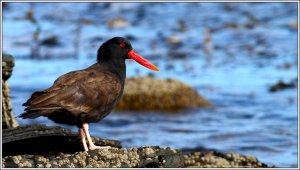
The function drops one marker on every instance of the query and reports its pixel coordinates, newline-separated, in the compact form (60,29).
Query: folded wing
(75,95)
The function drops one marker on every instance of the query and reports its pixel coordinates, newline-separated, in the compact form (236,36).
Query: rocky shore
(62,153)
(141,157)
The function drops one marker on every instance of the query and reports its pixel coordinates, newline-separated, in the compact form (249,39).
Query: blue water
(250,43)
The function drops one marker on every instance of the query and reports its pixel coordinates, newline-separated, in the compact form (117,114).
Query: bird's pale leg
(92,146)
(82,136)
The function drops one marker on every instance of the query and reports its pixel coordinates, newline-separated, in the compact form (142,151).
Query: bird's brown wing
(78,92)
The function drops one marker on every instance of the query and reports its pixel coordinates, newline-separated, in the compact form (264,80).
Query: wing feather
(78,92)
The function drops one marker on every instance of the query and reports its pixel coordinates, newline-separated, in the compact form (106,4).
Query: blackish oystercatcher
(88,95)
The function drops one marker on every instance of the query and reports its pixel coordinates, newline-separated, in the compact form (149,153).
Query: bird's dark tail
(30,115)
(37,112)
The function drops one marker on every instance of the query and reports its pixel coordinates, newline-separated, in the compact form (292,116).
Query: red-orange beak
(133,55)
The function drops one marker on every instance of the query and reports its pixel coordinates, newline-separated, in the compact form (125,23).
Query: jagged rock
(147,93)
(8,119)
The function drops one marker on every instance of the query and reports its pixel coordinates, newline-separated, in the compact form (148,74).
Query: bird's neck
(114,63)
(115,67)
(118,67)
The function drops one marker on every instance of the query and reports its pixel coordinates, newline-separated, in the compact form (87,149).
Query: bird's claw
(98,147)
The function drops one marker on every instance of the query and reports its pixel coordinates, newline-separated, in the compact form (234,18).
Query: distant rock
(293,24)
(177,54)
(118,23)
(51,41)
(148,93)
(182,25)
(174,41)
(285,65)
(280,85)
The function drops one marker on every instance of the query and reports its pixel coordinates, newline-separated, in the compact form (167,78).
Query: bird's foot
(93,147)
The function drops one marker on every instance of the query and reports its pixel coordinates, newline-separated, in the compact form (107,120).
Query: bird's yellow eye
(122,44)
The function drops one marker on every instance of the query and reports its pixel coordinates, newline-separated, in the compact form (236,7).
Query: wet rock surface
(18,141)
(114,157)
(148,93)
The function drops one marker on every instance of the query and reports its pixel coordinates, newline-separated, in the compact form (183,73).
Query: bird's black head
(117,50)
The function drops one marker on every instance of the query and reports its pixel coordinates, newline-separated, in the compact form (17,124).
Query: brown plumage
(77,97)
(88,95)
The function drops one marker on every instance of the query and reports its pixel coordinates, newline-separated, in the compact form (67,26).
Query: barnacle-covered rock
(213,159)
(142,157)
(105,158)
(147,93)
(40,146)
